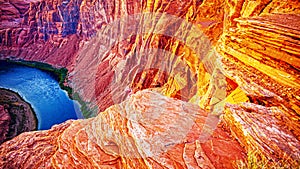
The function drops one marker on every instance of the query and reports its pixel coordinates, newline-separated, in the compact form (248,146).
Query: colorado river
(50,103)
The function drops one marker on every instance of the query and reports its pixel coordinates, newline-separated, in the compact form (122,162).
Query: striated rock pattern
(147,130)
(114,60)
(270,137)
(16,116)
(268,46)
(276,84)
(44,30)
(248,8)
(37,30)
(261,54)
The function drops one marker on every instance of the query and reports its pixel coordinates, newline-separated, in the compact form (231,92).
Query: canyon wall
(238,60)
(16,115)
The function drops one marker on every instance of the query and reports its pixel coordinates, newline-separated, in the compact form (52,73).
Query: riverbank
(17,116)
(60,74)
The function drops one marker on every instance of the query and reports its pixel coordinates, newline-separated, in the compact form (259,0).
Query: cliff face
(237,60)
(38,30)
(5,120)
(16,115)
(266,45)
(44,30)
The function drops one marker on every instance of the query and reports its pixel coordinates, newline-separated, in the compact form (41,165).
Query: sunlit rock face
(261,128)
(128,135)
(266,45)
(114,63)
(42,30)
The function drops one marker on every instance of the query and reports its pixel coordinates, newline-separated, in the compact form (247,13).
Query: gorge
(171,84)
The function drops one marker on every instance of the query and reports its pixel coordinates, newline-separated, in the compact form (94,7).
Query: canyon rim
(169,84)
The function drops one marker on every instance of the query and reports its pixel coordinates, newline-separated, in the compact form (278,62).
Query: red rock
(257,40)
(16,116)
(146,130)
(4,123)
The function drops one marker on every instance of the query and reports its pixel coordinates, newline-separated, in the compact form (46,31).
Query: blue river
(50,103)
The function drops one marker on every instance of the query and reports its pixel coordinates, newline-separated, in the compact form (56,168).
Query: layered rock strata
(44,30)
(16,116)
(268,46)
(147,130)
(257,42)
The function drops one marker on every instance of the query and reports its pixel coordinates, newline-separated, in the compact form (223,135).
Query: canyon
(171,84)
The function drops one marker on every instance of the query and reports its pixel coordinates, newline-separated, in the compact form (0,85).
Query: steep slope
(113,54)
(261,55)
(16,115)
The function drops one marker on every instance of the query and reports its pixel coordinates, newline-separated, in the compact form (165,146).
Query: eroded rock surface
(256,42)
(16,116)
(262,57)
(146,130)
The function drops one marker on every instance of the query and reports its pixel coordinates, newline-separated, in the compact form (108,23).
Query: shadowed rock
(16,116)
(258,46)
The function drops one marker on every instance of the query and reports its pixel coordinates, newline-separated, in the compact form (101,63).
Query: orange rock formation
(132,134)
(128,75)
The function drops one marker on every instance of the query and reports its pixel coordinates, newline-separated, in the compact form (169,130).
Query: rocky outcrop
(147,130)
(16,116)
(248,8)
(261,55)
(270,137)
(113,59)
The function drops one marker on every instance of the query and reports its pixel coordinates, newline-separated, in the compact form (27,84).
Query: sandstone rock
(275,61)
(257,41)
(248,8)
(258,127)
(146,130)
(16,116)
(40,28)
(262,56)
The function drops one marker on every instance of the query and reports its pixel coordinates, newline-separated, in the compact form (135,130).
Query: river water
(50,103)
